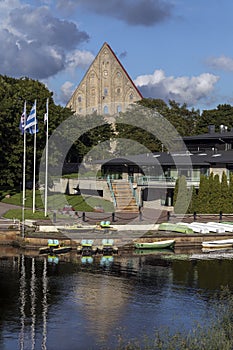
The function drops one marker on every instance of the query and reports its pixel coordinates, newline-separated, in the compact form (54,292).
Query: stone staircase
(125,200)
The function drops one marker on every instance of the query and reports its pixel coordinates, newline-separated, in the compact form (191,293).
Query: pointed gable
(106,87)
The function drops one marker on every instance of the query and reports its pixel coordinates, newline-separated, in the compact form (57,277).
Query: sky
(172,49)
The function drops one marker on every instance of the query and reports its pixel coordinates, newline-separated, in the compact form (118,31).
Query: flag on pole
(45,118)
(23,119)
(46,121)
(31,123)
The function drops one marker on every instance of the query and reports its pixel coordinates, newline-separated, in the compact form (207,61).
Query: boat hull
(155,245)
(219,244)
(61,250)
(175,228)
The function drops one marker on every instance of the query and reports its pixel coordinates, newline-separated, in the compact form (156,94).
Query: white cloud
(221,63)
(66,91)
(37,42)
(189,90)
(78,58)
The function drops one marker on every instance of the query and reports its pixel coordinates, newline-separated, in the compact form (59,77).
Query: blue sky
(173,49)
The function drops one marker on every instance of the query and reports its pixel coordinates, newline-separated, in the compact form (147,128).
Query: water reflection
(22,303)
(81,302)
(44,304)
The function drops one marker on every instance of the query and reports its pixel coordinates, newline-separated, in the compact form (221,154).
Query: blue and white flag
(31,123)
(23,119)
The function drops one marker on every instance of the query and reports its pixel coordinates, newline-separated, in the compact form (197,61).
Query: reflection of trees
(103,300)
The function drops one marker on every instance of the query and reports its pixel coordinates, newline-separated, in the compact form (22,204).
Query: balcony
(163,181)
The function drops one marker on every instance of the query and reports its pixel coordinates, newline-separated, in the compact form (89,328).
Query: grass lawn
(55,202)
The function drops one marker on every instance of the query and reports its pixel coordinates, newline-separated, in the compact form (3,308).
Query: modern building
(155,174)
(106,87)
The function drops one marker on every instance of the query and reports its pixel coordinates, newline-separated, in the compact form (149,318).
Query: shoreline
(123,239)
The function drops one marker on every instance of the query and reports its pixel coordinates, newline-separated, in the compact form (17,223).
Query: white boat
(227,227)
(219,244)
(207,227)
(199,228)
(195,228)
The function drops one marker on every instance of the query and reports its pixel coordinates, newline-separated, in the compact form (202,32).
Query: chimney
(211,129)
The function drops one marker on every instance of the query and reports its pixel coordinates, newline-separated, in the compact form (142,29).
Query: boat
(180,228)
(169,243)
(104,226)
(220,244)
(152,251)
(53,259)
(107,247)
(54,247)
(106,260)
(76,228)
(227,227)
(87,259)
(61,250)
(199,227)
(215,228)
(86,247)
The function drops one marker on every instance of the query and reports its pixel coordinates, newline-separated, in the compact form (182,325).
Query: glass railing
(143,180)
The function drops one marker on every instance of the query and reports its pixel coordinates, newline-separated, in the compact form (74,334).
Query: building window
(92,78)
(131,96)
(105,109)
(105,91)
(79,99)
(118,91)
(118,108)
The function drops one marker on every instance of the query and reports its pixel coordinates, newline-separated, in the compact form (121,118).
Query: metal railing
(111,191)
(134,192)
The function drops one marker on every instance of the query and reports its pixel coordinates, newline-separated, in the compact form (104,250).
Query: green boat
(169,243)
(157,251)
(166,226)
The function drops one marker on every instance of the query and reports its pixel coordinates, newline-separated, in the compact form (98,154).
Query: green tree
(203,195)
(211,207)
(225,195)
(231,193)
(181,203)
(222,115)
(13,93)
(193,201)
(216,195)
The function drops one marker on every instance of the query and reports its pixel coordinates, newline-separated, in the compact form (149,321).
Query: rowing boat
(220,244)
(157,251)
(180,228)
(169,243)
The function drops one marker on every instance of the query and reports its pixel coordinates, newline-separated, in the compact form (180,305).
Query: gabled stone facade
(106,87)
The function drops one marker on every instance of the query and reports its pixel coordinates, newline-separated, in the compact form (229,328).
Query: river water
(73,303)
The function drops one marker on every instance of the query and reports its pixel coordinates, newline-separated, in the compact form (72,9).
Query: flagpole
(46,158)
(24,169)
(34,170)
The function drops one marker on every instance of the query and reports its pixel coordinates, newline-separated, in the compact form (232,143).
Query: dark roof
(211,136)
(160,158)
(221,157)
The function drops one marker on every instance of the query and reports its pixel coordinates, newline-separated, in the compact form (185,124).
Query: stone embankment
(128,228)
(34,240)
